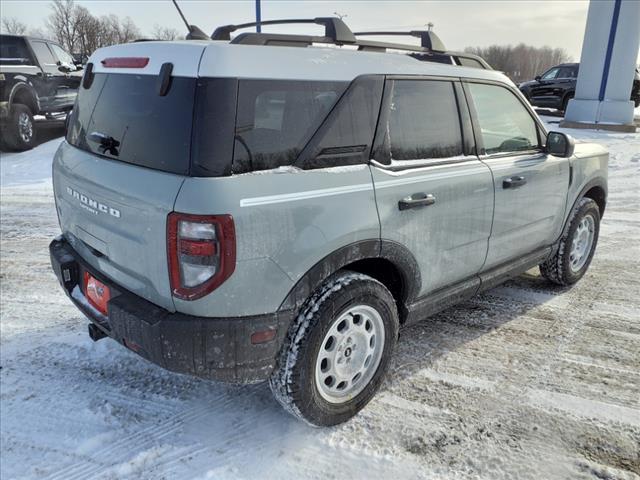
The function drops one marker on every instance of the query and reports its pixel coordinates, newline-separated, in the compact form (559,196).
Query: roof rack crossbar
(334,28)
(428,39)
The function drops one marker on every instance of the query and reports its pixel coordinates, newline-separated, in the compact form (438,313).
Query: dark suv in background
(37,77)
(555,87)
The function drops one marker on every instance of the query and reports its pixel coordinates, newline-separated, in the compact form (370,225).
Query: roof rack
(334,28)
(428,39)
(337,32)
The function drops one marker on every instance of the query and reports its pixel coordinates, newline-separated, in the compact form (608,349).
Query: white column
(607,66)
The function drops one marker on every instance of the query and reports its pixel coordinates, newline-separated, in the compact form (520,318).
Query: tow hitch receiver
(95,333)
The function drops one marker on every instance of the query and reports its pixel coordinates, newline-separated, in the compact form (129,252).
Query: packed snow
(527,381)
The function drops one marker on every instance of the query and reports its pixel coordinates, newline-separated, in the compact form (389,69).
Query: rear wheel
(576,247)
(337,350)
(20,133)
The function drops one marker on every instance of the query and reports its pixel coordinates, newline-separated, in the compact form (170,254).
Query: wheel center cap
(347,352)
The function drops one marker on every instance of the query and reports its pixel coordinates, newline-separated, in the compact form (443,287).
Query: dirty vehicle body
(249,212)
(37,77)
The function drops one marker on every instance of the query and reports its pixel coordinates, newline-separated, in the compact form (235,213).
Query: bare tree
(76,29)
(165,33)
(63,23)
(522,62)
(40,33)
(13,26)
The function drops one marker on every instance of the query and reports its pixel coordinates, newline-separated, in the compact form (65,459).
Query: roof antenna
(194,32)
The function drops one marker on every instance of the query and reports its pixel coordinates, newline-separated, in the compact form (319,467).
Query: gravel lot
(525,381)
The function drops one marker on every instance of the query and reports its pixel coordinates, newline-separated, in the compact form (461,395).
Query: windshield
(122,117)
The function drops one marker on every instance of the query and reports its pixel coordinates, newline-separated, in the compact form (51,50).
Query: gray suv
(245,212)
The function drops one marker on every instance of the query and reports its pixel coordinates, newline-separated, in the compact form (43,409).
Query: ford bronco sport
(247,210)
(37,77)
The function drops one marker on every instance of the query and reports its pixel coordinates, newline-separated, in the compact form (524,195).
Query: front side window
(423,121)
(63,56)
(551,74)
(505,124)
(275,119)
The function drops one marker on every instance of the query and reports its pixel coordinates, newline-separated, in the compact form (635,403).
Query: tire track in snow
(140,440)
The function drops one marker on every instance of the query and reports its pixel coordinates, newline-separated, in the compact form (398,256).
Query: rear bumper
(214,348)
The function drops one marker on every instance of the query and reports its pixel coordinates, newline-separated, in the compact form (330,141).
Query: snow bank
(30,167)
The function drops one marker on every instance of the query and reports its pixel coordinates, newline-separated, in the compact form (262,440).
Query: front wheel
(337,350)
(576,247)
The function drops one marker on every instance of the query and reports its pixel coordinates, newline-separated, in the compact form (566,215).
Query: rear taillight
(201,252)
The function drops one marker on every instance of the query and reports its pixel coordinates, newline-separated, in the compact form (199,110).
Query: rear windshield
(202,127)
(122,116)
(13,51)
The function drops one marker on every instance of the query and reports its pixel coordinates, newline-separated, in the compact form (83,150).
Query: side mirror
(560,144)
(538,77)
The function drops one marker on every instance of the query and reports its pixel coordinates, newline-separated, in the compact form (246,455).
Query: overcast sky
(459,24)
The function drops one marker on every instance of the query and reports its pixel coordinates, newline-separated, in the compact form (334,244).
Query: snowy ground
(525,381)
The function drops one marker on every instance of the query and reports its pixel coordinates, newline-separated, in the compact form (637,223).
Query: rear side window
(505,124)
(13,51)
(122,117)
(275,119)
(347,133)
(423,120)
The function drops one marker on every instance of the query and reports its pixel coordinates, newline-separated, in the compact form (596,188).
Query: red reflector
(97,293)
(263,336)
(125,62)
(131,345)
(202,248)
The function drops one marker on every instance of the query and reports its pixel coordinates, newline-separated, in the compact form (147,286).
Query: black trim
(446,297)
(594,182)
(468,138)
(213,348)
(395,253)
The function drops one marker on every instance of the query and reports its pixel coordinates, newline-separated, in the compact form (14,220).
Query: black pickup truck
(555,87)
(37,77)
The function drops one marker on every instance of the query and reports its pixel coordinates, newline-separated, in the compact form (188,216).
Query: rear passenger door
(433,194)
(530,185)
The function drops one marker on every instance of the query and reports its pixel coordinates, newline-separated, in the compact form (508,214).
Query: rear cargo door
(126,156)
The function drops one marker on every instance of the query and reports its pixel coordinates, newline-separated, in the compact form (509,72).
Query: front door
(433,195)
(530,185)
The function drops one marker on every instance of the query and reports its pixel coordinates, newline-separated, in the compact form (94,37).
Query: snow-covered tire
(558,268)
(294,382)
(20,131)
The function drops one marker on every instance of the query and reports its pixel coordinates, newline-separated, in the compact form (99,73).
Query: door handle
(514,182)
(416,200)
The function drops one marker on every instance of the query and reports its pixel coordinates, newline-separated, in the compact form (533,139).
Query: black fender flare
(600,182)
(18,87)
(397,254)
(594,182)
